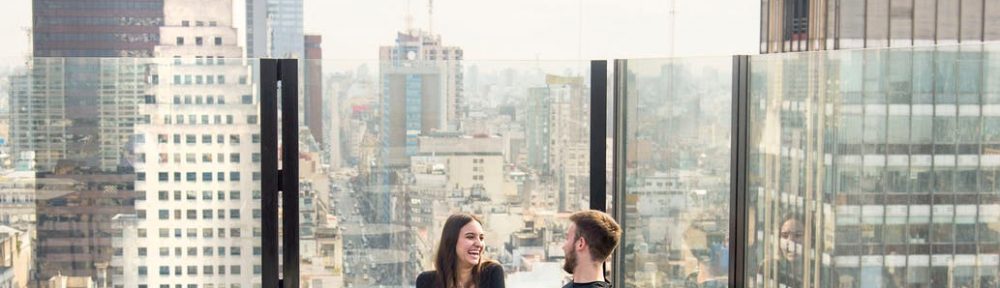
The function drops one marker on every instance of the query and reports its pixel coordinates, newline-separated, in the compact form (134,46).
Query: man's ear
(581,245)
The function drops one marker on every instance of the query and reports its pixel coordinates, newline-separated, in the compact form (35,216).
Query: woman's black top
(490,277)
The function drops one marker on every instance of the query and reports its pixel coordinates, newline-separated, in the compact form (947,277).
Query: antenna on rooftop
(430,17)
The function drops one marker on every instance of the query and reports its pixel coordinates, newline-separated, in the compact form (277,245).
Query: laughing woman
(459,261)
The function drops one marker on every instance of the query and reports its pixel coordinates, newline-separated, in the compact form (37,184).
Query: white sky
(507,29)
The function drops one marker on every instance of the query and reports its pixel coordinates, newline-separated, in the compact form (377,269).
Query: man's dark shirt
(596,284)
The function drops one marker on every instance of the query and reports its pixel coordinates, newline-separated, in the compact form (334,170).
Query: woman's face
(470,244)
(791,239)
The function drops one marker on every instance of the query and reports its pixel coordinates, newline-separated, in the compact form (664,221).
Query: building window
(164,214)
(234,195)
(185,23)
(180,41)
(218,41)
(198,41)
(234,214)
(164,270)
(234,176)
(206,214)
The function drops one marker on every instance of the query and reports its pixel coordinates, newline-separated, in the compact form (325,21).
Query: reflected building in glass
(809,25)
(875,167)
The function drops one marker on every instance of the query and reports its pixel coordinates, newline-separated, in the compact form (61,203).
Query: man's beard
(570,264)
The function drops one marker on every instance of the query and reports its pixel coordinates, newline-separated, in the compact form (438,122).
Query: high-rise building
(95,118)
(313,68)
(38,115)
(74,226)
(807,25)
(557,133)
(896,182)
(197,216)
(420,47)
(96,28)
(274,29)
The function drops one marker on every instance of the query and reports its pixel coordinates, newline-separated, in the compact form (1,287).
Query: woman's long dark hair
(446,261)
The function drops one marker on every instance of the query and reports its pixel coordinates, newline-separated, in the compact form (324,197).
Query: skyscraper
(421,92)
(806,25)
(892,148)
(313,67)
(274,29)
(83,31)
(96,28)
(197,217)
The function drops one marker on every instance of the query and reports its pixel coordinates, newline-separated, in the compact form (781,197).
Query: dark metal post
(738,171)
(598,134)
(618,163)
(288,74)
(269,171)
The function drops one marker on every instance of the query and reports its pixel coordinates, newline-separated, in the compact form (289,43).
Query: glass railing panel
(677,168)
(399,145)
(133,172)
(874,168)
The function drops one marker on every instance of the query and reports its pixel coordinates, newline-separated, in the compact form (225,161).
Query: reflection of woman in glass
(786,268)
(713,260)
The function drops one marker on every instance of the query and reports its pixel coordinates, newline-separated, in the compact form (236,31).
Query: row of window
(187,23)
(234,176)
(205,195)
(204,79)
(192,214)
(205,138)
(192,195)
(199,99)
(199,41)
(193,251)
(193,270)
(193,232)
(193,159)
(206,60)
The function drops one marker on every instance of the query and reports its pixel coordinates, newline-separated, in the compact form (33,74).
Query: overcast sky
(507,29)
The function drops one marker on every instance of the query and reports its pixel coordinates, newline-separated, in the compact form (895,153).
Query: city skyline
(608,30)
